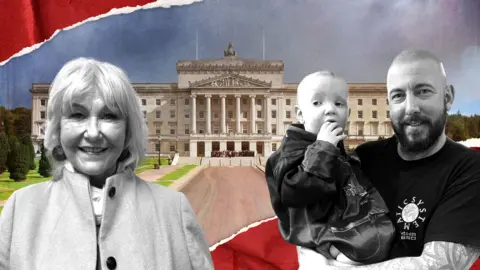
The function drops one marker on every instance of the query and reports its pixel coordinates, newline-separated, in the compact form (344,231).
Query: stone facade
(231,103)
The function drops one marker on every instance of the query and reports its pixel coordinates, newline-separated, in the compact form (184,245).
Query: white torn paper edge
(253,225)
(473,142)
(115,11)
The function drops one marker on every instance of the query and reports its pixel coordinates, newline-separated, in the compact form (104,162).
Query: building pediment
(230,81)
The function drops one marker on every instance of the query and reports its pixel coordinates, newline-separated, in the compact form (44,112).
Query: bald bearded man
(430,183)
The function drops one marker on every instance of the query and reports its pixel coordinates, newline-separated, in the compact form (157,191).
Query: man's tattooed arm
(436,255)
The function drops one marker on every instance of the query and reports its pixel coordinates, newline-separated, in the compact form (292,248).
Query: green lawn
(147,164)
(1,207)
(169,178)
(177,174)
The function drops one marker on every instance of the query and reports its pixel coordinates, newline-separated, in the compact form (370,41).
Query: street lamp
(159,137)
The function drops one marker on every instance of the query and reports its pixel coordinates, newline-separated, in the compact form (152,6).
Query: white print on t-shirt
(410,215)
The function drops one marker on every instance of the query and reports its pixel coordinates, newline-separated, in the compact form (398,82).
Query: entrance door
(200,149)
(260,148)
(230,146)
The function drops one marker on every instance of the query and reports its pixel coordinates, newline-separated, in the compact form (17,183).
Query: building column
(223,116)
(209,114)
(193,149)
(223,145)
(253,114)
(194,114)
(267,116)
(208,148)
(238,146)
(239,128)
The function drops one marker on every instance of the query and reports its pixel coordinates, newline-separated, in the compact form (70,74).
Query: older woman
(96,213)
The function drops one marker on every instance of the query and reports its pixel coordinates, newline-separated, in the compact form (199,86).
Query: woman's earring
(58,153)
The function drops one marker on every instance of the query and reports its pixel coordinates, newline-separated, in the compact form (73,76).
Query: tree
(44,168)
(26,140)
(18,159)
(4,149)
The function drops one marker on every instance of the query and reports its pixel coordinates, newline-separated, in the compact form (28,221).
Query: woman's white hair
(84,77)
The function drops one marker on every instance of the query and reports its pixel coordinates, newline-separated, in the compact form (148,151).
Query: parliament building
(232,104)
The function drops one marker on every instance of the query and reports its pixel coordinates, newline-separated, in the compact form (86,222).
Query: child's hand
(331,132)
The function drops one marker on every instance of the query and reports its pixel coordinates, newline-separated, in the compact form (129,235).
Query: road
(227,199)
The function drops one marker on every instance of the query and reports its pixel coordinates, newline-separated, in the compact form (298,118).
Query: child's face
(322,99)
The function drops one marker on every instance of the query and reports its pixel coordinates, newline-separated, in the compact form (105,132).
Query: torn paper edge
(115,11)
(473,142)
(253,225)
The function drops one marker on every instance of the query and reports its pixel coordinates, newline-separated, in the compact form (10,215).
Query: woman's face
(92,136)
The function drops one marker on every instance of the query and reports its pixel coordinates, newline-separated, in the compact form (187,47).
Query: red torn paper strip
(25,23)
(257,247)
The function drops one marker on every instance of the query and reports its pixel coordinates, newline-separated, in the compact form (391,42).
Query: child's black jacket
(321,198)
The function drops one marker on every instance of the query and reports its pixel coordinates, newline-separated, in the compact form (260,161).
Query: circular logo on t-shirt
(410,212)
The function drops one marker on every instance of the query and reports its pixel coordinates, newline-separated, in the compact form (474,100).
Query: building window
(158,102)
(230,114)
(230,101)
(187,115)
(215,128)
(200,131)
(172,102)
(187,129)
(374,114)
(157,147)
(144,114)
(274,114)
(360,129)
(172,130)
(259,131)
(274,101)
(201,101)
(288,114)
(274,129)
(259,114)
(43,102)
(244,101)
(158,114)
(388,114)
(172,147)
(387,101)
(259,101)
(360,114)
(42,131)
(274,147)
(244,129)
(172,113)
(245,114)
(186,147)
(42,115)
(201,114)
(187,101)
(144,102)
(215,101)
(158,128)
(374,101)
(287,102)
(215,115)
(374,129)
(359,101)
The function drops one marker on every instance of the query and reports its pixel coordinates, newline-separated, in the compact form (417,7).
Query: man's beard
(420,142)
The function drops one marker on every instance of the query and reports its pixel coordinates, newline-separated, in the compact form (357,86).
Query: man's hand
(331,132)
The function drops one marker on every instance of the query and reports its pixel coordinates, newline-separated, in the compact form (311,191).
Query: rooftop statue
(229,51)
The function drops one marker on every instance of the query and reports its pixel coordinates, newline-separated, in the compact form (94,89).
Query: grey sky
(356,39)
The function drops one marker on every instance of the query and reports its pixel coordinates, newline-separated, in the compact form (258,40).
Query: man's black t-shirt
(432,199)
